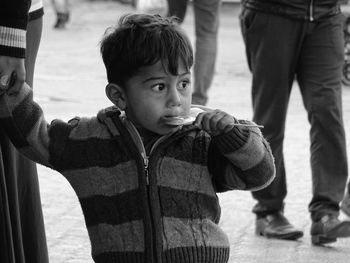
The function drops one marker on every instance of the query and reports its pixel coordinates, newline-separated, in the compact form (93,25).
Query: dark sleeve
(14,13)
(13,25)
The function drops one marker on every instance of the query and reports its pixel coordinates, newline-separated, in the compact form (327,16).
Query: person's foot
(328,229)
(62,19)
(277,226)
(345,205)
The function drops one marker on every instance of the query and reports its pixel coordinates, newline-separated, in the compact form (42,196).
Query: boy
(147,184)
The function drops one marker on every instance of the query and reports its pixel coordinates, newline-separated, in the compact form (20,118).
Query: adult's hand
(12,69)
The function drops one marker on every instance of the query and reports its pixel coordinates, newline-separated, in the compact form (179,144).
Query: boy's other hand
(215,122)
(11,68)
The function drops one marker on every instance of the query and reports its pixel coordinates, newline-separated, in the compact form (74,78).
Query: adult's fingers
(5,78)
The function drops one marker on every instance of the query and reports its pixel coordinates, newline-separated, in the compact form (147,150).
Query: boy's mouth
(179,120)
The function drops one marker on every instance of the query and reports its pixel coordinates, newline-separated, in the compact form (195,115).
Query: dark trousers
(206,19)
(280,50)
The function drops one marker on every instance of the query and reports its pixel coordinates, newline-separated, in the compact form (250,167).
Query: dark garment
(21,220)
(22,232)
(280,49)
(310,10)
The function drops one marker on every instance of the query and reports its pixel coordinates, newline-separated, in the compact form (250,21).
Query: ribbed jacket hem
(197,255)
(120,257)
(175,255)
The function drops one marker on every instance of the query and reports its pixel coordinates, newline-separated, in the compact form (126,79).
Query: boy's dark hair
(143,40)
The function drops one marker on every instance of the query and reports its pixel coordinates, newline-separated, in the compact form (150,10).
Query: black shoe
(62,19)
(328,229)
(277,226)
(345,204)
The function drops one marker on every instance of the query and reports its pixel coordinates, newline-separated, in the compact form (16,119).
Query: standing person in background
(302,40)
(61,8)
(345,204)
(22,237)
(206,16)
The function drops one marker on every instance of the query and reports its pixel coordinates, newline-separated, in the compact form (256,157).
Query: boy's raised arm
(23,121)
(241,159)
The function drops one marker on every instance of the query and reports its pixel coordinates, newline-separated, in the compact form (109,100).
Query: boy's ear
(116,95)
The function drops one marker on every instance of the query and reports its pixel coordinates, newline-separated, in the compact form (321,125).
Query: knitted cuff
(12,42)
(232,140)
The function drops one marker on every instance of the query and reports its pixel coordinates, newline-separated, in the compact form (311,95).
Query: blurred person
(206,18)
(299,40)
(148,169)
(22,238)
(345,204)
(62,10)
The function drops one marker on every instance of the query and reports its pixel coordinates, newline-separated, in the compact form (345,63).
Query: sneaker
(277,226)
(345,205)
(328,229)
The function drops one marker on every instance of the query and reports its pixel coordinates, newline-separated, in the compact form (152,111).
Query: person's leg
(177,8)
(345,204)
(270,60)
(206,14)
(32,224)
(272,47)
(61,8)
(319,77)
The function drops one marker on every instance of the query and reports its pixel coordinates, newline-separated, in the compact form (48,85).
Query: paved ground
(70,80)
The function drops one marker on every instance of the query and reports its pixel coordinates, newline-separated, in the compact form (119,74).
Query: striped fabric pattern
(12,40)
(172,219)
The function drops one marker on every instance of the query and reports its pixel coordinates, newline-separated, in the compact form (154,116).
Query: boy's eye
(184,84)
(158,87)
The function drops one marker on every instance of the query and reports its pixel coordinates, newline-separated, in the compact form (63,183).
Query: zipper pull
(145,164)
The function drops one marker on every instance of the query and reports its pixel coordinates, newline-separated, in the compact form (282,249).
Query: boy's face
(152,96)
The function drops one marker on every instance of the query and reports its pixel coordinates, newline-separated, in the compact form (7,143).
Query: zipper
(311,11)
(146,162)
(145,165)
(140,146)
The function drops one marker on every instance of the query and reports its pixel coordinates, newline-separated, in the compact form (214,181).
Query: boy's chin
(167,130)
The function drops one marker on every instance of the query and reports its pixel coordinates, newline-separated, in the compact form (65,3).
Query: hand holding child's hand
(215,122)
(12,74)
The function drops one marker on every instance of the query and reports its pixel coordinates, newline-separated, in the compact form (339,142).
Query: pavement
(70,80)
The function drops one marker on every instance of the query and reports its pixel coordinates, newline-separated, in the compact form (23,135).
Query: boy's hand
(215,122)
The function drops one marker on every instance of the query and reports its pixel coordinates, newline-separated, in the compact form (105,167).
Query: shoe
(62,19)
(328,229)
(277,226)
(345,204)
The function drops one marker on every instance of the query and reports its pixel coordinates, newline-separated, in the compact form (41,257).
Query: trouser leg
(319,78)
(206,14)
(33,230)
(272,46)
(61,6)
(177,8)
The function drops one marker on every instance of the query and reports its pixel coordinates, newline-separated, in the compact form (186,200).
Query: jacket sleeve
(13,25)
(241,159)
(23,121)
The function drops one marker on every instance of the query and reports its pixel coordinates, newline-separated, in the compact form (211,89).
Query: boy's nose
(174,97)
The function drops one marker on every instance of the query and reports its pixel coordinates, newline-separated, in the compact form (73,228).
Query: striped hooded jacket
(160,208)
